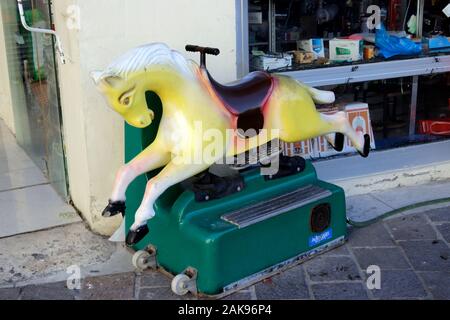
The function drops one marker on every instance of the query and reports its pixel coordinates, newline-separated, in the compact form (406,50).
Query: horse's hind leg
(319,96)
(336,140)
(338,123)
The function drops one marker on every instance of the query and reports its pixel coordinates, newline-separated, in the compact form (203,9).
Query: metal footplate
(264,154)
(255,213)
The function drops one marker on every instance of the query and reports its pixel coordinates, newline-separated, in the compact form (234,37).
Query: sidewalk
(412,250)
(27,200)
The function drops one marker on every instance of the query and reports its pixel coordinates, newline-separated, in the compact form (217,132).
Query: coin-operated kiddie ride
(219,228)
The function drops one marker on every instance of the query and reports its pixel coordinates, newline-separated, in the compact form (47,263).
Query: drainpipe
(58,43)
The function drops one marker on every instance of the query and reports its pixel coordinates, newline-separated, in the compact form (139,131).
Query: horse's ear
(96,76)
(109,81)
(112,81)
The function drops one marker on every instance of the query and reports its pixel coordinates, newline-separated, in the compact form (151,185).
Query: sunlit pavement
(411,250)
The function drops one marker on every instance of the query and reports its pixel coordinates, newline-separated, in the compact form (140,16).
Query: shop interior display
(292,35)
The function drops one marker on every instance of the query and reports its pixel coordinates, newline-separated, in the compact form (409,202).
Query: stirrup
(288,166)
(208,186)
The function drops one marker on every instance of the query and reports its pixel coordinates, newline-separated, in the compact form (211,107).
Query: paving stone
(438,283)
(439,215)
(413,227)
(113,287)
(339,291)
(399,284)
(162,293)
(376,235)
(427,255)
(339,251)
(324,268)
(444,230)
(240,295)
(154,279)
(9,294)
(51,291)
(385,258)
(290,284)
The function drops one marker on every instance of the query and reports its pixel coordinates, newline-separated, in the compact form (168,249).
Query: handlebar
(205,50)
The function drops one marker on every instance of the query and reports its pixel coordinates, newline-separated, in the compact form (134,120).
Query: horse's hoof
(339,142)
(114,208)
(366,150)
(133,237)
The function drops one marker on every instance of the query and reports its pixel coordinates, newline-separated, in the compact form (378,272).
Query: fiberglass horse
(276,106)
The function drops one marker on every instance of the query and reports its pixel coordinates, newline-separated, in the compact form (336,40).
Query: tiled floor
(410,250)
(27,201)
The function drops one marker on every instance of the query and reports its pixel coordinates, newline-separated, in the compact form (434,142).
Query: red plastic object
(440,127)
(394,14)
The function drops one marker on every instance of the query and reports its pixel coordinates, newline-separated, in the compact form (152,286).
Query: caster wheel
(180,284)
(140,260)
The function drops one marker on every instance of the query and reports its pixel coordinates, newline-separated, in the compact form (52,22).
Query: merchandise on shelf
(315,46)
(270,62)
(346,50)
(359,117)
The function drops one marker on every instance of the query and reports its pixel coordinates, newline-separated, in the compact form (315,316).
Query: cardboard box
(346,50)
(271,62)
(358,116)
(301,57)
(301,148)
(315,46)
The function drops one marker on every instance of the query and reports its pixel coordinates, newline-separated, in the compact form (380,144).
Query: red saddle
(246,98)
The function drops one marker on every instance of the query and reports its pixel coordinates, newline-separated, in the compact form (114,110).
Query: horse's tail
(319,96)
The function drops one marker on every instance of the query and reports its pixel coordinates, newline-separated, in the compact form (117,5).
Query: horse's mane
(140,58)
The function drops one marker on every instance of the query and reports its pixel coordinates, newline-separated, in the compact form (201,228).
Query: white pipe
(420,5)
(59,47)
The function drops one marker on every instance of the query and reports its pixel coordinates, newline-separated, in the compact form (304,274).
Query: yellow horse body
(193,116)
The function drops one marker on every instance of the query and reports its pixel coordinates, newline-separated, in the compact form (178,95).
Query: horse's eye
(126,101)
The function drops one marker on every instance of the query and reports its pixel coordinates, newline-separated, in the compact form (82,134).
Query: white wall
(93,133)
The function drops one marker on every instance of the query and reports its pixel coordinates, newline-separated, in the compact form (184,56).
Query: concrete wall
(6,108)
(93,133)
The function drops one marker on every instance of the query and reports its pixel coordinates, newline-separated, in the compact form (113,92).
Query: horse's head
(126,97)
(125,81)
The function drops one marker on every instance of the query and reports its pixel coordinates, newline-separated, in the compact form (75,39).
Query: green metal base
(227,248)
(191,234)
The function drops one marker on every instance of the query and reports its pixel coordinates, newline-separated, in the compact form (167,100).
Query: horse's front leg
(175,172)
(151,158)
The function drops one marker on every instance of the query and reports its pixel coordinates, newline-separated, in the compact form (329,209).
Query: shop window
(312,37)
(382,109)
(289,35)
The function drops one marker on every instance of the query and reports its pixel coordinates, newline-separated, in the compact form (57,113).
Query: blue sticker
(316,239)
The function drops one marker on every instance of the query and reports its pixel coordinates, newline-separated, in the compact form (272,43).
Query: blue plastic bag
(390,46)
